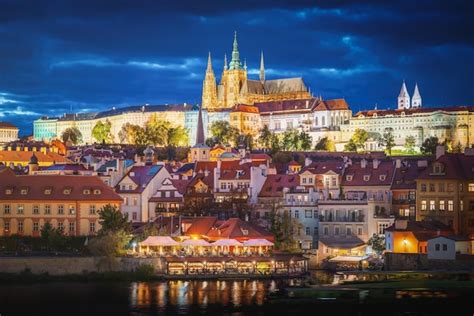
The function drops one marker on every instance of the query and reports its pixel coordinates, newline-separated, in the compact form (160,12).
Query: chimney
(363,163)
(307,161)
(401,224)
(398,163)
(422,163)
(440,151)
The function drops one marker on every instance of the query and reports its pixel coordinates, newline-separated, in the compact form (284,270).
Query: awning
(195,242)
(348,258)
(226,242)
(160,241)
(257,243)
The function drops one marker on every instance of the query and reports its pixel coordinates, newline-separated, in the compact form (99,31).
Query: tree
(290,140)
(156,131)
(224,132)
(53,238)
(112,220)
(101,132)
(265,137)
(128,133)
(275,143)
(284,228)
(350,146)
(429,145)
(377,242)
(410,143)
(72,134)
(359,138)
(245,140)
(388,141)
(305,141)
(212,141)
(176,136)
(457,148)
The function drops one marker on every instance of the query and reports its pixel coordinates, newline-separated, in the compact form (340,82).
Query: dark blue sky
(92,55)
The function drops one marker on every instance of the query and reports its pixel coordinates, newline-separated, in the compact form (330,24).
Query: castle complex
(235,87)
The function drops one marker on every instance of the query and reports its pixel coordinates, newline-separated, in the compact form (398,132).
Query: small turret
(262,68)
(33,164)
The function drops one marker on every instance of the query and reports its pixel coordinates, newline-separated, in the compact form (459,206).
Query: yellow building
(71,203)
(235,87)
(8,132)
(246,119)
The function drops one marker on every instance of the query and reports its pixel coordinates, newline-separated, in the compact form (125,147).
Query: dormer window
(349,178)
(382,177)
(67,191)
(366,177)
(97,191)
(86,191)
(438,168)
(47,191)
(24,191)
(9,191)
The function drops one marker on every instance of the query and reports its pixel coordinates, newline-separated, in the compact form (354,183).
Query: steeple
(245,64)
(235,62)
(403,97)
(209,87)
(225,61)
(200,129)
(262,68)
(416,99)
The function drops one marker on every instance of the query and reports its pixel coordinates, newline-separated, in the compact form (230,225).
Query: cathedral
(236,88)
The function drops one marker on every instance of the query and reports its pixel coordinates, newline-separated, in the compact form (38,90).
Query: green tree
(410,143)
(212,141)
(265,137)
(101,132)
(290,140)
(245,140)
(275,143)
(457,148)
(429,145)
(305,141)
(377,242)
(72,134)
(53,238)
(128,133)
(112,220)
(224,132)
(388,141)
(359,138)
(325,144)
(350,146)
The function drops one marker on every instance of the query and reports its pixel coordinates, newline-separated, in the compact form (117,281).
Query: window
(470,187)
(92,227)
(6,226)
(423,205)
(24,191)
(9,191)
(72,209)
(135,201)
(348,230)
(47,209)
(334,181)
(315,214)
(60,209)
(97,191)
(445,247)
(349,178)
(471,205)
(20,208)
(92,209)
(442,206)
(6,209)
(72,227)
(125,201)
(382,177)
(134,216)
(47,191)
(308,231)
(35,226)
(450,187)
(308,214)
(36,209)
(432,205)
(336,230)
(297,214)
(87,191)
(441,187)
(67,191)
(437,247)
(326,230)
(315,231)
(382,227)
(60,225)
(432,187)
(423,188)
(20,227)
(304,180)
(450,205)
(366,177)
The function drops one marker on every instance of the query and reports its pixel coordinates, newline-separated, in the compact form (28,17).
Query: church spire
(416,99)
(209,87)
(225,61)
(200,128)
(209,64)
(262,68)
(403,97)
(235,62)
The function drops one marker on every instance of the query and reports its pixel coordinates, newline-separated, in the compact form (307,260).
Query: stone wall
(76,265)
(414,261)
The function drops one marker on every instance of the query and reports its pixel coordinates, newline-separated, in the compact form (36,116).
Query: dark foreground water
(227,297)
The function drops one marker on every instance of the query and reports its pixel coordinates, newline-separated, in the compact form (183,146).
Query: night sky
(92,55)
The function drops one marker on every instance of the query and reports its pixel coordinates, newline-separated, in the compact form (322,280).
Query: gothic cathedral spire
(235,62)
(209,88)
(403,98)
(262,69)
(416,99)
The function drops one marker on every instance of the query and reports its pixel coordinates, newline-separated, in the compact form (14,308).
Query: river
(220,297)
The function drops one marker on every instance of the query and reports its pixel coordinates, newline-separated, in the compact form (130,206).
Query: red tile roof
(275,183)
(369,176)
(456,166)
(6,125)
(294,106)
(36,186)
(245,108)
(415,111)
(24,156)
(235,228)
(323,167)
(331,105)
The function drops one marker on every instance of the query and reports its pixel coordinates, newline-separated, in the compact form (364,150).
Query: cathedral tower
(209,88)
(403,98)
(416,99)
(262,69)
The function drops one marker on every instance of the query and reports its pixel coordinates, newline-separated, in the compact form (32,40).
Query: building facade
(8,132)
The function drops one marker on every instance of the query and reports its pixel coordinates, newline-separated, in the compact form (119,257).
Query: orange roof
(6,125)
(331,105)
(37,185)
(24,156)
(235,228)
(245,108)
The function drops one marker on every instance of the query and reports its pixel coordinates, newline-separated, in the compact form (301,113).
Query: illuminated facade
(8,132)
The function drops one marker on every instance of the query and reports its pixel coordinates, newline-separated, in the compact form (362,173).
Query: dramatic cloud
(80,55)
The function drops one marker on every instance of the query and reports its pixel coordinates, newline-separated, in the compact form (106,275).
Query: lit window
(20,208)
(6,227)
(72,209)
(432,205)
(450,205)
(67,191)
(35,226)
(470,187)
(442,205)
(20,227)
(423,205)
(24,191)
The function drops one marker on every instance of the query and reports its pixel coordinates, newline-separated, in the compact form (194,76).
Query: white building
(8,132)
(446,248)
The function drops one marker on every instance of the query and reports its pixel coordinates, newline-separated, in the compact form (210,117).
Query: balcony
(344,219)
